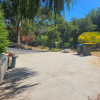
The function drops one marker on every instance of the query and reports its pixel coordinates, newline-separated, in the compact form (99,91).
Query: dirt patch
(95,62)
(24,46)
(72,51)
(95,53)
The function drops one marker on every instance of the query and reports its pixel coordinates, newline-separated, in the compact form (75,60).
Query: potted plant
(67,45)
(12,60)
(11,54)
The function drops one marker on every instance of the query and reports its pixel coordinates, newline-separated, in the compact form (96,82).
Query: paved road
(51,76)
(22,51)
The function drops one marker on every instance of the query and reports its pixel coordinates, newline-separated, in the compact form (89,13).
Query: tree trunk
(18,32)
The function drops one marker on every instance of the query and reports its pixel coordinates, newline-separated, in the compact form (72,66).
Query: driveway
(51,76)
(22,51)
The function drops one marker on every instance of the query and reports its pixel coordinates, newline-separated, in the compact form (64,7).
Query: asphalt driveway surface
(23,51)
(51,76)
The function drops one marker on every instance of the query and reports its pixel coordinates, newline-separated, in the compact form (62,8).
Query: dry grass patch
(36,48)
(95,62)
(96,53)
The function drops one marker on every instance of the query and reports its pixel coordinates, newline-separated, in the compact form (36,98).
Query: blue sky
(80,8)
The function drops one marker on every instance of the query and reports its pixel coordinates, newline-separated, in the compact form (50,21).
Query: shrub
(53,36)
(3,34)
(56,50)
(67,45)
(27,39)
(40,40)
(90,37)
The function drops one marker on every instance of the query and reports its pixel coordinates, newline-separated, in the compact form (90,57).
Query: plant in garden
(67,45)
(44,40)
(11,54)
(3,33)
(56,50)
(90,37)
(53,36)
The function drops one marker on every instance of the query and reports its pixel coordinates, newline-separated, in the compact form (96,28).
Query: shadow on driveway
(11,85)
(80,55)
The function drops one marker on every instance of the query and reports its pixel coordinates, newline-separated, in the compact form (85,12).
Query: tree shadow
(64,52)
(11,85)
(80,55)
(97,50)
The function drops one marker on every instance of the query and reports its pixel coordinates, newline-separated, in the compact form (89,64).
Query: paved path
(22,51)
(51,76)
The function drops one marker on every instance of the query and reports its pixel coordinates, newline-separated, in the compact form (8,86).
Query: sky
(81,8)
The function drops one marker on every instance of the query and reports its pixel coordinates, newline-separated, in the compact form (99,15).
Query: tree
(95,17)
(3,33)
(28,9)
(53,36)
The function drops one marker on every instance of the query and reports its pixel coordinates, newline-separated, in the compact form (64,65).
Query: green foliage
(56,50)
(67,45)
(70,39)
(40,40)
(49,28)
(44,40)
(3,34)
(12,34)
(53,36)
(90,37)
(58,5)
(16,10)
(78,26)
(95,17)
(27,28)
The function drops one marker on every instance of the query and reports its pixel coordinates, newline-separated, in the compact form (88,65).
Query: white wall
(3,66)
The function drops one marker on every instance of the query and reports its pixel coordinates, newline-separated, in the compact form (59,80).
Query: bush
(3,34)
(67,45)
(39,40)
(27,39)
(56,50)
(53,36)
(90,37)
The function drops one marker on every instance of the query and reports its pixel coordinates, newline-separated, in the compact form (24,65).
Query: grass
(56,50)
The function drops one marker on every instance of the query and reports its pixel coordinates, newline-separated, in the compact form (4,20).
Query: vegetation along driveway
(51,76)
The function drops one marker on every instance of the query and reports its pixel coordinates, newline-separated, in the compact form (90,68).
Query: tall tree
(29,8)
(95,17)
